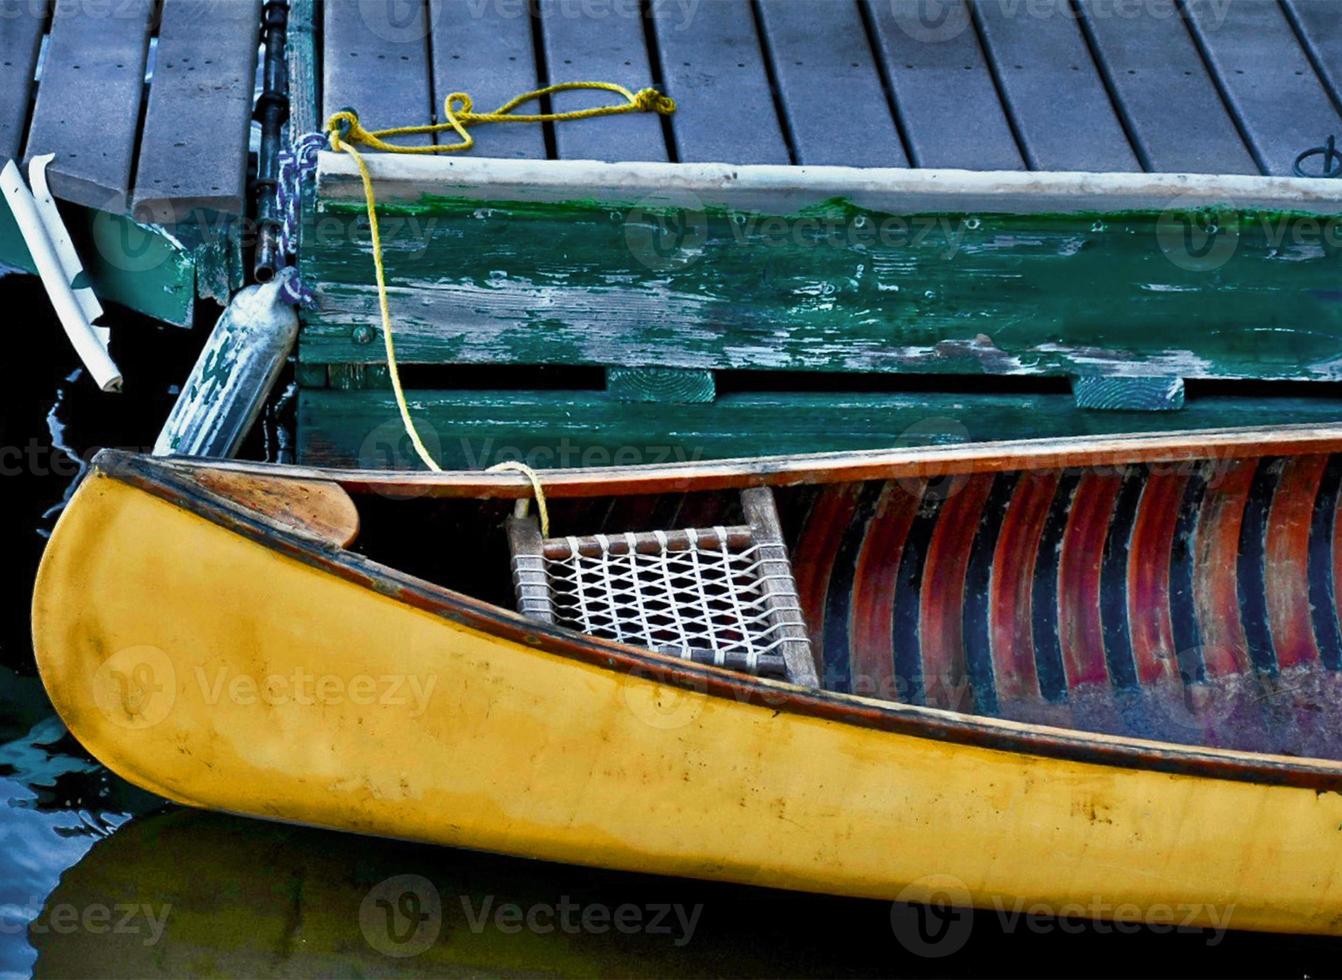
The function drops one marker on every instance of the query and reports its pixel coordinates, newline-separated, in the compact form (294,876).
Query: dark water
(100,879)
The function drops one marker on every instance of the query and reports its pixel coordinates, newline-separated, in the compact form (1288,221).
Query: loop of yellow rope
(514,466)
(345,132)
(459,113)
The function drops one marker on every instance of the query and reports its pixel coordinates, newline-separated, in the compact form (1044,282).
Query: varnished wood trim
(1167,449)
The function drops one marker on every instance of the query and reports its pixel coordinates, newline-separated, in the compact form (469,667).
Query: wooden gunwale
(175,484)
(821,468)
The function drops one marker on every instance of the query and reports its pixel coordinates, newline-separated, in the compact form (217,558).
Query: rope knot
(651,100)
(458,104)
(343,126)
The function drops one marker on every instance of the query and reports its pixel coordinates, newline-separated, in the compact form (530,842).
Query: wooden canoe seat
(722,595)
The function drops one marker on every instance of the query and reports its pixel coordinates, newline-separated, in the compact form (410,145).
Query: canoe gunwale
(1172,448)
(174,484)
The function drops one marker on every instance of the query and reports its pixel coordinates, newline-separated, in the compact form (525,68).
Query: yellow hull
(207,666)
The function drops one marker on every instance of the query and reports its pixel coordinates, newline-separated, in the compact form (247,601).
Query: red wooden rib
(1225,651)
(1337,555)
(816,550)
(1149,577)
(941,609)
(1286,574)
(1080,632)
(874,583)
(632,512)
(1010,605)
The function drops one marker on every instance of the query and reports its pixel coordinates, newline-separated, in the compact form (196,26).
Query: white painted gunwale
(777,189)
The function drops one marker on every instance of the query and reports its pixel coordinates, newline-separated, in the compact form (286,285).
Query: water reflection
(197,892)
(100,879)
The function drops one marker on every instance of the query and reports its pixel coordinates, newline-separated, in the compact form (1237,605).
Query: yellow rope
(513,466)
(344,131)
(459,113)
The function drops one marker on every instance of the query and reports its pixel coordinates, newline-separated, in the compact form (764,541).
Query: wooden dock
(1230,88)
(534,320)
(147,106)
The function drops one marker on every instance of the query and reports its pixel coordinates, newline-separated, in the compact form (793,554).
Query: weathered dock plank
(1266,79)
(837,109)
(487,50)
(1053,90)
(1319,26)
(600,42)
(193,152)
(714,68)
(474,429)
(947,100)
(945,93)
(21,26)
(88,101)
(1167,98)
(376,61)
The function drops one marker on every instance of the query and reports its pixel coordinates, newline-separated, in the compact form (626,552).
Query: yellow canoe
(223,635)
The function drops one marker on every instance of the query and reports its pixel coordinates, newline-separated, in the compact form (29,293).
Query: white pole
(60,240)
(82,334)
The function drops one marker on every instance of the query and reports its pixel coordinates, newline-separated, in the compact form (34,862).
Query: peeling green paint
(1198,293)
(152,270)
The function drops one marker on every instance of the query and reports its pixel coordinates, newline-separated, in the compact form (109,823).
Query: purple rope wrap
(296,162)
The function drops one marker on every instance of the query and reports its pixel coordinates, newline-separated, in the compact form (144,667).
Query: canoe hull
(263,685)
